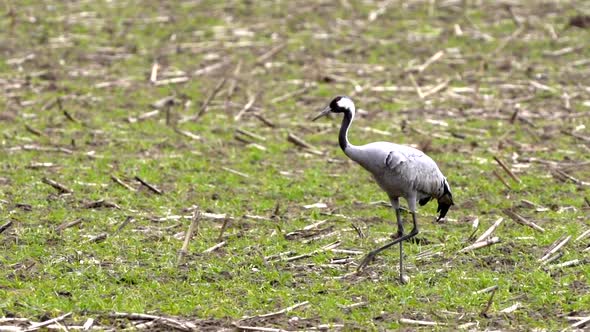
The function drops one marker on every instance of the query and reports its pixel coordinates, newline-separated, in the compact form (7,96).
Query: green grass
(45,273)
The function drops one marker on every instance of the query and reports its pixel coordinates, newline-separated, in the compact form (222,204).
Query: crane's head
(340,104)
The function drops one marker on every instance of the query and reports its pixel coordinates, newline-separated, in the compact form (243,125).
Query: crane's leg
(371,255)
(413,232)
(400,233)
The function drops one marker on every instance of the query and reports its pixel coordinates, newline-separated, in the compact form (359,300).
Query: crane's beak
(325,112)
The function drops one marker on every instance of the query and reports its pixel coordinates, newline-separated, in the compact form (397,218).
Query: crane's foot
(368,259)
(404,279)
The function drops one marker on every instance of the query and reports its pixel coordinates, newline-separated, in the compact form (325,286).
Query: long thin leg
(371,255)
(400,233)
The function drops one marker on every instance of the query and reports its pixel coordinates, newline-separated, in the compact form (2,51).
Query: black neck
(342,138)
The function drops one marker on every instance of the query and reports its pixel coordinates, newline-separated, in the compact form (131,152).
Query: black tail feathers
(443,208)
(423,201)
(445,201)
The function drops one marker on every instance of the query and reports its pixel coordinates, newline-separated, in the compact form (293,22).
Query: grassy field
(198,99)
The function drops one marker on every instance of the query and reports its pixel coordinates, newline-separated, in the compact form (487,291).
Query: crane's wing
(395,159)
(422,174)
(425,176)
(401,169)
(413,167)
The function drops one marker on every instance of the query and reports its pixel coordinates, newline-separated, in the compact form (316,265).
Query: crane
(401,171)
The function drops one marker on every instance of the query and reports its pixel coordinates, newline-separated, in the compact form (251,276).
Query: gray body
(401,171)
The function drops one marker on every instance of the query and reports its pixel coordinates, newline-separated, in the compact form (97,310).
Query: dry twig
(486,290)
(244,175)
(507,169)
(289,95)
(233,82)
(60,187)
(373,15)
(154,72)
(121,183)
(215,247)
(555,247)
(573,262)
(300,142)
(177,324)
(441,86)
(187,134)
(506,41)
(484,312)
(264,120)
(320,250)
(246,107)
(553,258)
(490,230)
(192,228)
(571,178)
(257,328)
(210,97)
(101,203)
(88,324)
(250,134)
(521,220)
(481,244)
(125,222)
(226,223)
(5,226)
(149,186)
(511,308)
(68,224)
(174,80)
(581,323)
(270,53)
(35,165)
(416,86)
(434,58)
(579,238)
(37,326)
(31,147)
(419,322)
(70,117)
(277,313)
(211,68)
(34,131)
(354,305)
(97,238)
